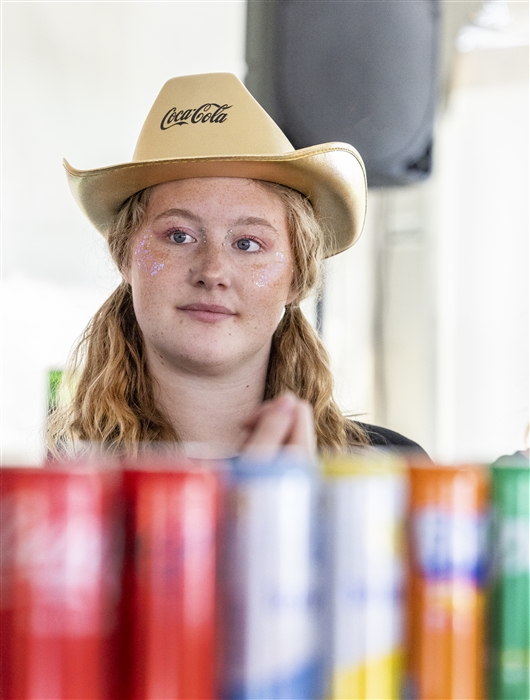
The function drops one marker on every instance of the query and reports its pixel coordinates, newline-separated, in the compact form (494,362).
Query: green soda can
(509,595)
(55,377)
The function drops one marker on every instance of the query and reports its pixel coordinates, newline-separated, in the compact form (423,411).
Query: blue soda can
(364,513)
(269,582)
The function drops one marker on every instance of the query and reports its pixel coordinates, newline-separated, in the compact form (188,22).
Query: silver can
(269,583)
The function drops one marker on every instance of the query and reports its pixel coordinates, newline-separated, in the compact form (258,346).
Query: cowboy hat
(209,125)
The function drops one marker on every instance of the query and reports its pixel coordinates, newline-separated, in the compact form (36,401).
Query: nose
(210,266)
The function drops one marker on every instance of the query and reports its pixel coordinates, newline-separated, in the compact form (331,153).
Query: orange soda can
(60,581)
(169,580)
(446,600)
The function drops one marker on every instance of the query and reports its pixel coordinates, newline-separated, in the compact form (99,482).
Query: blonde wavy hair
(113,401)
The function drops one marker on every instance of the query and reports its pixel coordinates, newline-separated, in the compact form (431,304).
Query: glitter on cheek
(265,275)
(144,257)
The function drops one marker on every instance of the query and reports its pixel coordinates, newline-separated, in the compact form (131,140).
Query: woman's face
(211,272)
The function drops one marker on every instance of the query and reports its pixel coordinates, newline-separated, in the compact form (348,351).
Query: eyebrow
(254,221)
(242,221)
(178,212)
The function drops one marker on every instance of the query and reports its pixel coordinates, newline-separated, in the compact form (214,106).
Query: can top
(462,488)
(516,461)
(288,461)
(173,464)
(82,461)
(365,463)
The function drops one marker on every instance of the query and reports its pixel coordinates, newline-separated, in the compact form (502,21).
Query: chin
(206,363)
(221,360)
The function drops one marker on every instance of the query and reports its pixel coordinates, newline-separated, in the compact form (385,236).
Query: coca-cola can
(60,581)
(169,579)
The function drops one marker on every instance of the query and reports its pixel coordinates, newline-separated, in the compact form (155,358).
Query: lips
(207,312)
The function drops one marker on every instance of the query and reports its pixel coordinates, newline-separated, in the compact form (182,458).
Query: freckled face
(211,272)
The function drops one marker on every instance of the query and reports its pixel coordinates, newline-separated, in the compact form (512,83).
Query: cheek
(273,275)
(149,276)
(146,258)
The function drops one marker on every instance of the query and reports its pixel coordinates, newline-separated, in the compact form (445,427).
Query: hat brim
(330,175)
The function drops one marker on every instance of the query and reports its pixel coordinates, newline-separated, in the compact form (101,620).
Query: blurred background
(425,319)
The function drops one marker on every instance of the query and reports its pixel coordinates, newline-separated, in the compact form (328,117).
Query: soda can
(60,581)
(364,512)
(269,578)
(509,582)
(446,598)
(168,615)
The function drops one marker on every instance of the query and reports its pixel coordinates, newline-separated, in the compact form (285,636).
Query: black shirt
(389,439)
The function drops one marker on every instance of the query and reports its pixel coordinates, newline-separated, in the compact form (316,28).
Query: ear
(126,268)
(292,296)
(126,274)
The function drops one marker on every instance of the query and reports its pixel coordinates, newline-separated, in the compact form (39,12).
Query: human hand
(284,422)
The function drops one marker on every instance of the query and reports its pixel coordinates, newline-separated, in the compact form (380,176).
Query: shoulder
(383,437)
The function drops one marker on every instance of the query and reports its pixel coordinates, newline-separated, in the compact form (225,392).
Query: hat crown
(212,114)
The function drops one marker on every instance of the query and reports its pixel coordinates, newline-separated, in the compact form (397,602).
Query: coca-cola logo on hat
(208,112)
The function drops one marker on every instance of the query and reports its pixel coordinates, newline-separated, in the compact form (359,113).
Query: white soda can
(365,502)
(269,583)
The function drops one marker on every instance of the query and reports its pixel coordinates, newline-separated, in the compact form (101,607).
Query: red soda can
(446,594)
(169,579)
(60,581)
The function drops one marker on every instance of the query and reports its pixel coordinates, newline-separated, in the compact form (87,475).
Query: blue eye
(247,244)
(180,237)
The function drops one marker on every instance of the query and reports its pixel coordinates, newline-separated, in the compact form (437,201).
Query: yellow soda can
(364,502)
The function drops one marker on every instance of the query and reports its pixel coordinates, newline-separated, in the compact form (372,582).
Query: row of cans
(369,578)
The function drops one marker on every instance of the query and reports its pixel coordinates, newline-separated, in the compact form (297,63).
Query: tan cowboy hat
(210,126)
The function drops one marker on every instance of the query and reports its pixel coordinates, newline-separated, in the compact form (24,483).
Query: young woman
(218,228)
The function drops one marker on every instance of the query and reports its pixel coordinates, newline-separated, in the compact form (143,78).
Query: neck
(208,412)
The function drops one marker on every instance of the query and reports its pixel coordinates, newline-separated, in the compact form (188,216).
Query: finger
(272,428)
(266,406)
(302,435)
(251,421)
